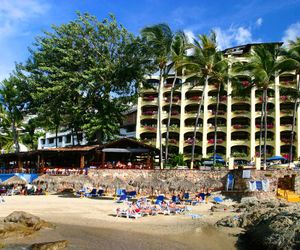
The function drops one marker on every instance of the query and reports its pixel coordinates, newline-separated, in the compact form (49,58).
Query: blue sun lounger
(93,193)
(122,198)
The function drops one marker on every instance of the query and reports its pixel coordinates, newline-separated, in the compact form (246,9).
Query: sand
(90,224)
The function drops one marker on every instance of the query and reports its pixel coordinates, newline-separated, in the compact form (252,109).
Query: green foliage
(177,160)
(83,74)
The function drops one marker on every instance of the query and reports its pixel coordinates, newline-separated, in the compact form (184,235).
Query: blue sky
(235,21)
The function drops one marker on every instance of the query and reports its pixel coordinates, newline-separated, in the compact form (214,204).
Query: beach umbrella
(185,185)
(119,183)
(276,158)
(44,178)
(14,180)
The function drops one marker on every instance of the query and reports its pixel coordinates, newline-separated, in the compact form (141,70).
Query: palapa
(14,180)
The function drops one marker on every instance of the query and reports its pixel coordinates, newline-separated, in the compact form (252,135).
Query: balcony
(221,113)
(285,98)
(240,127)
(238,99)
(269,126)
(151,142)
(220,128)
(148,129)
(189,142)
(175,100)
(219,141)
(213,99)
(149,114)
(150,100)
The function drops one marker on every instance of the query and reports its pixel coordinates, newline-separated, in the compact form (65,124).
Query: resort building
(238,118)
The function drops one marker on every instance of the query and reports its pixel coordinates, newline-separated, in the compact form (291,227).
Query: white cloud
(22,9)
(259,22)
(14,13)
(292,32)
(233,36)
(190,36)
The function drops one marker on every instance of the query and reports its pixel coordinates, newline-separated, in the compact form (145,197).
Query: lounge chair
(175,199)
(131,194)
(128,213)
(100,192)
(159,199)
(122,198)
(93,193)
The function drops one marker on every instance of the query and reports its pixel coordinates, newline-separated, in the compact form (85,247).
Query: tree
(159,38)
(220,76)
(82,72)
(12,109)
(178,51)
(292,62)
(263,66)
(200,66)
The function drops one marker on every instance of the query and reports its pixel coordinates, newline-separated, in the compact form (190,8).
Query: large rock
(267,224)
(21,224)
(55,245)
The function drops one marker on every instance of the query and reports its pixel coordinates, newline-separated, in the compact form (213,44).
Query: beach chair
(131,194)
(100,192)
(186,198)
(159,199)
(175,199)
(93,193)
(122,198)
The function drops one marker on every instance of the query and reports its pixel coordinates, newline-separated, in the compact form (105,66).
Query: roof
(246,47)
(70,149)
(128,144)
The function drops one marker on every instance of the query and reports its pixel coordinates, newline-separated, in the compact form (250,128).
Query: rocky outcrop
(20,224)
(55,245)
(267,224)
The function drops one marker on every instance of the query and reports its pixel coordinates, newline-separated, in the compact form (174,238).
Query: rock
(25,219)
(55,245)
(269,224)
(229,221)
(219,208)
(21,224)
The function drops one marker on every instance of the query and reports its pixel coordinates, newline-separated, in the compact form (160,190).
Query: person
(202,195)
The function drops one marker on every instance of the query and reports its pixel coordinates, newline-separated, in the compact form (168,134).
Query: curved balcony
(169,82)
(238,99)
(220,150)
(149,129)
(187,151)
(221,113)
(240,152)
(269,152)
(174,114)
(288,80)
(213,100)
(240,127)
(285,151)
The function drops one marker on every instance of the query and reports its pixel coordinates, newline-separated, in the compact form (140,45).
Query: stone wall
(215,180)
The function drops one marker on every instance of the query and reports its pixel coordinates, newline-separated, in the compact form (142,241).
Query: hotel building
(238,118)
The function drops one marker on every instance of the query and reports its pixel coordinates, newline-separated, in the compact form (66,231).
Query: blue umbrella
(276,158)
(216,156)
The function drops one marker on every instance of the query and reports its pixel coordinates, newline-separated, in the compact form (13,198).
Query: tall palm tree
(178,51)
(159,38)
(292,62)
(220,76)
(201,65)
(263,66)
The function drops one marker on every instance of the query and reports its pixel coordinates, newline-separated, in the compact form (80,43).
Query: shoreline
(88,224)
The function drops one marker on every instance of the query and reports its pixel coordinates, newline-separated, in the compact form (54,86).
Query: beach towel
(252,185)
(195,216)
(265,185)
(218,199)
(259,185)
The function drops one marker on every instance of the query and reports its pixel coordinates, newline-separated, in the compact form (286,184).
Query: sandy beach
(91,224)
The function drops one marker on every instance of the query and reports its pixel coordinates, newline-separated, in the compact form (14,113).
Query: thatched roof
(14,180)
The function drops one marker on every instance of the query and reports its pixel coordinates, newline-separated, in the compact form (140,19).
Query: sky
(235,22)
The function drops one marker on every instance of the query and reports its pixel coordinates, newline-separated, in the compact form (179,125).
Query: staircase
(288,195)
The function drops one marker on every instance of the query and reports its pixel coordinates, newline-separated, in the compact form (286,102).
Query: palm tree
(263,67)
(178,51)
(220,76)
(159,38)
(200,66)
(292,62)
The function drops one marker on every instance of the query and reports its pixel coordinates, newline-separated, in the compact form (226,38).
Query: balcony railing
(149,112)
(149,98)
(212,141)
(194,98)
(149,128)
(269,126)
(175,99)
(240,126)
(239,154)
